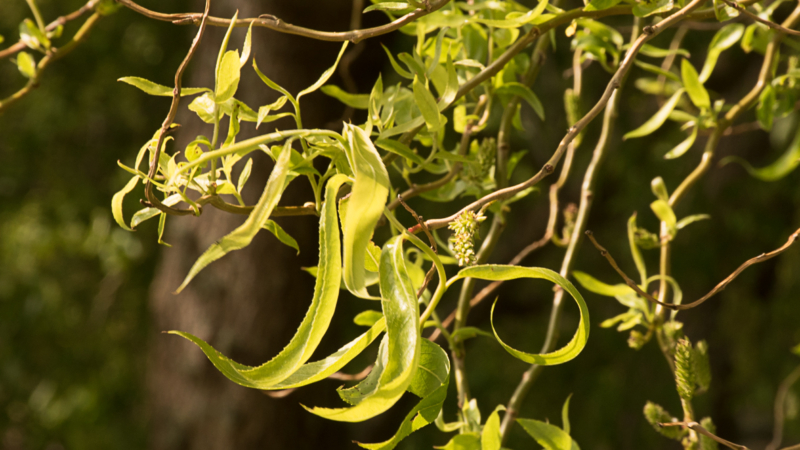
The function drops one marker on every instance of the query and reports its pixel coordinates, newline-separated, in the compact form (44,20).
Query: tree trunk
(249,303)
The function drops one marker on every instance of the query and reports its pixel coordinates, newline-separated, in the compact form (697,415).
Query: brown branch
(173,110)
(53,55)
(719,287)
(19,46)
(434,247)
(274,23)
(780,404)
(766,22)
(699,428)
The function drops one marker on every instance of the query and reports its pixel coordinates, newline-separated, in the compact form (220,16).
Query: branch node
(549,168)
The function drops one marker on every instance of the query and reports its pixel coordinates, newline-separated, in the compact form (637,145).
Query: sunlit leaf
(664,213)
(525,93)
(490,436)
(26,64)
(780,168)
(116,203)
(401,311)
(548,436)
(514,19)
(357,101)
(693,85)
(367,318)
(691,219)
(227,77)
(465,441)
(156,89)
(427,106)
(282,235)
(430,383)
(765,110)
(502,272)
(649,8)
(684,146)
(659,189)
(399,148)
(724,39)
(592,284)
(636,254)
(325,75)
(32,36)
(248,43)
(655,122)
(317,319)
(244,234)
(599,5)
(367,199)
(565,415)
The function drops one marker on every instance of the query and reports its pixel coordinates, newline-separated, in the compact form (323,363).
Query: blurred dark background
(83,364)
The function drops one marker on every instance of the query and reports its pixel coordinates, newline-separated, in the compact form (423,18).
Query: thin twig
(434,247)
(699,428)
(274,23)
(19,46)
(780,405)
(173,110)
(766,22)
(719,287)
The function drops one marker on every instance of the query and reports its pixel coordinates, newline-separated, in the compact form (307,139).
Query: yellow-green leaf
(398,363)
(548,436)
(503,272)
(592,284)
(427,105)
(325,75)
(157,89)
(367,199)
(282,235)
(490,436)
(357,101)
(26,64)
(116,202)
(693,85)
(658,118)
(314,325)
(227,77)
(683,147)
(244,234)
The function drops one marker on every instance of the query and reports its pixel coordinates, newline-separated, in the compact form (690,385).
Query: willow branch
(766,22)
(19,46)
(699,429)
(780,404)
(173,110)
(274,23)
(719,287)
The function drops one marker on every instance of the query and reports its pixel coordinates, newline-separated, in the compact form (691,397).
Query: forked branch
(719,287)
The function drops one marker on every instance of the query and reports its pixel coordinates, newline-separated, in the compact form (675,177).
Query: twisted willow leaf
(326,291)
(402,354)
(430,382)
(780,168)
(502,272)
(367,198)
(242,236)
(116,202)
(658,118)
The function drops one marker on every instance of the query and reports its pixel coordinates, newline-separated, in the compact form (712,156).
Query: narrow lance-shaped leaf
(503,272)
(317,319)
(427,105)
(683,147)
(592,284)
(693,85)
(281,234)
(635,252)
(244,234)
(248,43)
(430,382)
(367,199)
(401,311)
(658,119)
(780,168)
(116,203)
(325,75)
(514,20)
(227,77)
(725,38)
(548,436)
(525,93)
(388,6)
(157,89)
(491,438)
(664,213)
(357,101)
